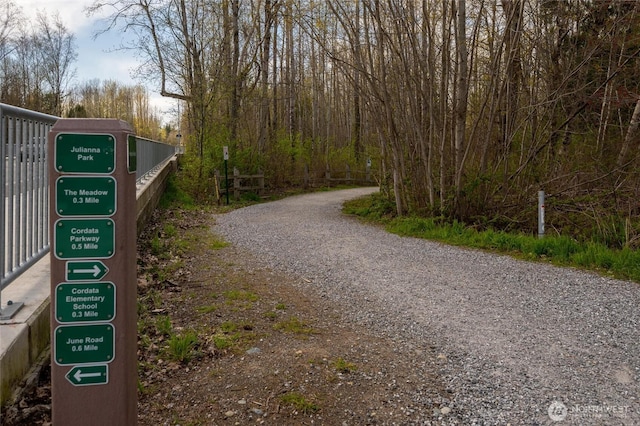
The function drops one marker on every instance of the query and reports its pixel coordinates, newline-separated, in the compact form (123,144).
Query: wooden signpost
(93,272)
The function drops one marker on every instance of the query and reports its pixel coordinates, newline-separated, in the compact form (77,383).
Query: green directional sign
(86,375)
(85,153)
(85,302)
(84,238)
(84,344)
(132,157)
(85,196)
(86,270)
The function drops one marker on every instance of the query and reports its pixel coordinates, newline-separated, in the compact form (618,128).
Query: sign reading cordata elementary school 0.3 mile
(93,273)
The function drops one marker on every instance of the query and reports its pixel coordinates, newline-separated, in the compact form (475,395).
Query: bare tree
(57,52)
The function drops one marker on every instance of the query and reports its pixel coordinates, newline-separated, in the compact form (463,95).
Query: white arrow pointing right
(95,271)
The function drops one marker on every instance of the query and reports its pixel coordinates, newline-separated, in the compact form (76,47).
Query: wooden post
(216,184)
(236,183)
(261,181)
(93,272)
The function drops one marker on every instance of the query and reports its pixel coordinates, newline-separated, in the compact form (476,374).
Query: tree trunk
(630,137)
(461,98)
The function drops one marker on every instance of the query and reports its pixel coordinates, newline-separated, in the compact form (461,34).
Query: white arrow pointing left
(79,376)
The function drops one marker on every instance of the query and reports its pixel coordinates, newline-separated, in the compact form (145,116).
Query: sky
(97,58)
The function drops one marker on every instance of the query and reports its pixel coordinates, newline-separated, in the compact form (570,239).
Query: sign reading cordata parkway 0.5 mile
(84,238)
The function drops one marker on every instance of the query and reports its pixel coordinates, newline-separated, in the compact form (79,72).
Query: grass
(299,402)
(216,243)
(271,315)
(240,296)
(206,309)
(175,195)
(560,250)
(157,247)
(163,325)
(343,366)
(182,347)
(293,325)
(170,230)
(233,334)
(228,327)
(222,342)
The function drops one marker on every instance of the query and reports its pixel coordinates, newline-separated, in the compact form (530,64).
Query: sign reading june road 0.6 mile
(84,238)
(85,196)
(84,344)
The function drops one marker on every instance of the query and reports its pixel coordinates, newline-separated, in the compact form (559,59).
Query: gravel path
(525,343)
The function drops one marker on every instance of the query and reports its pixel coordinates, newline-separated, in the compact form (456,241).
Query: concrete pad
(14,363)
(26,335)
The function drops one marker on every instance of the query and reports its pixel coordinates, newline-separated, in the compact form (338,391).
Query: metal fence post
(3,179)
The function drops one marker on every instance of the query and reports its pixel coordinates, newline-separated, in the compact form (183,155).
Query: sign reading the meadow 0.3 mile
(85,302)
(85,196)
(85,153)
(84,238)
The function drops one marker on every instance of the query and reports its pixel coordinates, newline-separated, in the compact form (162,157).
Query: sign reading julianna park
(93,272)
(85,153)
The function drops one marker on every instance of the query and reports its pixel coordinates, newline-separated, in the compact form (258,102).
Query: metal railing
(24,189)
(151,155)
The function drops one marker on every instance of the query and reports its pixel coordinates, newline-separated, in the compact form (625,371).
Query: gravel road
(522,343)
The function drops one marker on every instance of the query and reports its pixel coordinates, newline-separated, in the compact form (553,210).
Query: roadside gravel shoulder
(516,338)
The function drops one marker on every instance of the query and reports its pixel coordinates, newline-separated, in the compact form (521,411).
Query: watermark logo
(557,411)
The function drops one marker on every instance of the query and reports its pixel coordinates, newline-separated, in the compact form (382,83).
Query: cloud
(98,58)
(71,11)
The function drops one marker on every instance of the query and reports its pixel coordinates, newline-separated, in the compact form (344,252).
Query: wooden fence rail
(239,183)
(346,177)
